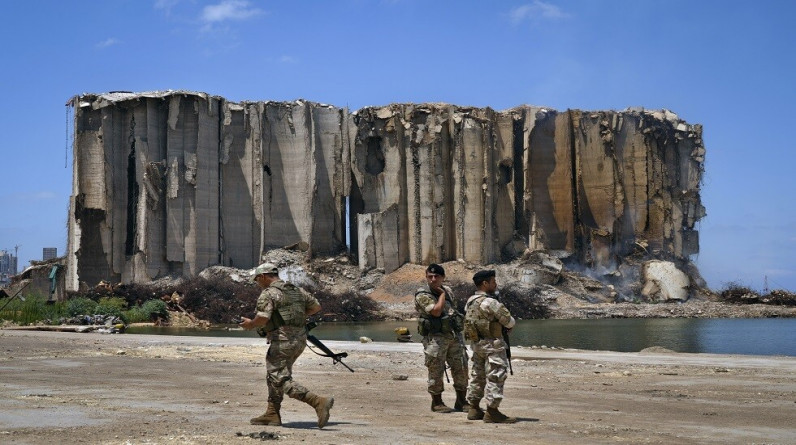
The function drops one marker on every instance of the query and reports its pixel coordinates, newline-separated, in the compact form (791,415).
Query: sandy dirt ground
(137,389)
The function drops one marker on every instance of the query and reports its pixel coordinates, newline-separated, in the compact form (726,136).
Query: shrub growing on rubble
(80,306)
(218,299)
(135,315)
(149,311)
(34,309)
(112,306)
(348,306)
(155,308)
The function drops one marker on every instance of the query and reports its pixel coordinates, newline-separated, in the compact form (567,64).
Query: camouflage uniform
(284,303)
(484,321)
(444,344)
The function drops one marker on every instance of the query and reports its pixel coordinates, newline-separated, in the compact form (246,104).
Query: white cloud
(108,42)
(536,10)
(229,10)
(166,5)
(288,59)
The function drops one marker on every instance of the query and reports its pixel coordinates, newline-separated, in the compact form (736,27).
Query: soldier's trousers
(488,368)
(279,366)
(439,349)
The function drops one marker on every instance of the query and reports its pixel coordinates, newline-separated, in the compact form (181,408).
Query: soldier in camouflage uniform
(282,310)
(441,326)
(484,321)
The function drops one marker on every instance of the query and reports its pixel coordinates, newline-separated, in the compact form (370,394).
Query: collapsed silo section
(601,184)
(145,187)
(549,181)
(192,183)
(89,243)
(675,165)
(332,178)
(429,183)
(449,171)
(283,169)
(475,189)
(377,240)
(379,185)
(598,197)
(240,179)
(169,183)
(299,148)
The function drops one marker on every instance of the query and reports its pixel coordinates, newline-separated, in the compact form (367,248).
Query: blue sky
(728,65)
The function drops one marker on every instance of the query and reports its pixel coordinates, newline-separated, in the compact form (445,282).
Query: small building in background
(42,279)
(49,253)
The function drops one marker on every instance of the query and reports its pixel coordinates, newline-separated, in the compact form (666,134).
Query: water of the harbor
(750,336)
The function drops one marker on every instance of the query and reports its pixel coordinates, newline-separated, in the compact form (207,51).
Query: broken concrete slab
(663,281)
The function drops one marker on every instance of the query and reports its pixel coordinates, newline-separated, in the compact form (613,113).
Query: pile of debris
(541,284)
(103,324)
(737,294)
(98,319)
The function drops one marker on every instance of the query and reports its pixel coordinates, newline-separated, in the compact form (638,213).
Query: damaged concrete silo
(483,185)
(172,182)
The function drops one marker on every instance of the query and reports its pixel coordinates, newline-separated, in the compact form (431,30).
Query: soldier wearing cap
(441,326)
(282,310)
(485,319)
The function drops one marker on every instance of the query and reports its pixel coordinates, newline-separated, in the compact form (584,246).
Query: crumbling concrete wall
(173,182)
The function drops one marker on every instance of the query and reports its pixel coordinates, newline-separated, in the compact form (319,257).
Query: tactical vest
(477,325)
(427,324)
(290,311)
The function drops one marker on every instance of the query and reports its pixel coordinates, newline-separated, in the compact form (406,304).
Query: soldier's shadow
(312,425)
(527,419)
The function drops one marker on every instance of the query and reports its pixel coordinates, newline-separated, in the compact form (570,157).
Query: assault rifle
(336,357)
(508,348)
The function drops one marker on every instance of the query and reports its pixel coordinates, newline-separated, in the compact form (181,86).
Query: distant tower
(5,262)
(8,265)
(49,253)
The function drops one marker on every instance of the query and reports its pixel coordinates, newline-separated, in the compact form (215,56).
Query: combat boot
(322,406)
(461,401)
(271,416)
(494,416)
(475,412)
(438,406)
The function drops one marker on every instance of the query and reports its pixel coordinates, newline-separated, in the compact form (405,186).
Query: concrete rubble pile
(169,183)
